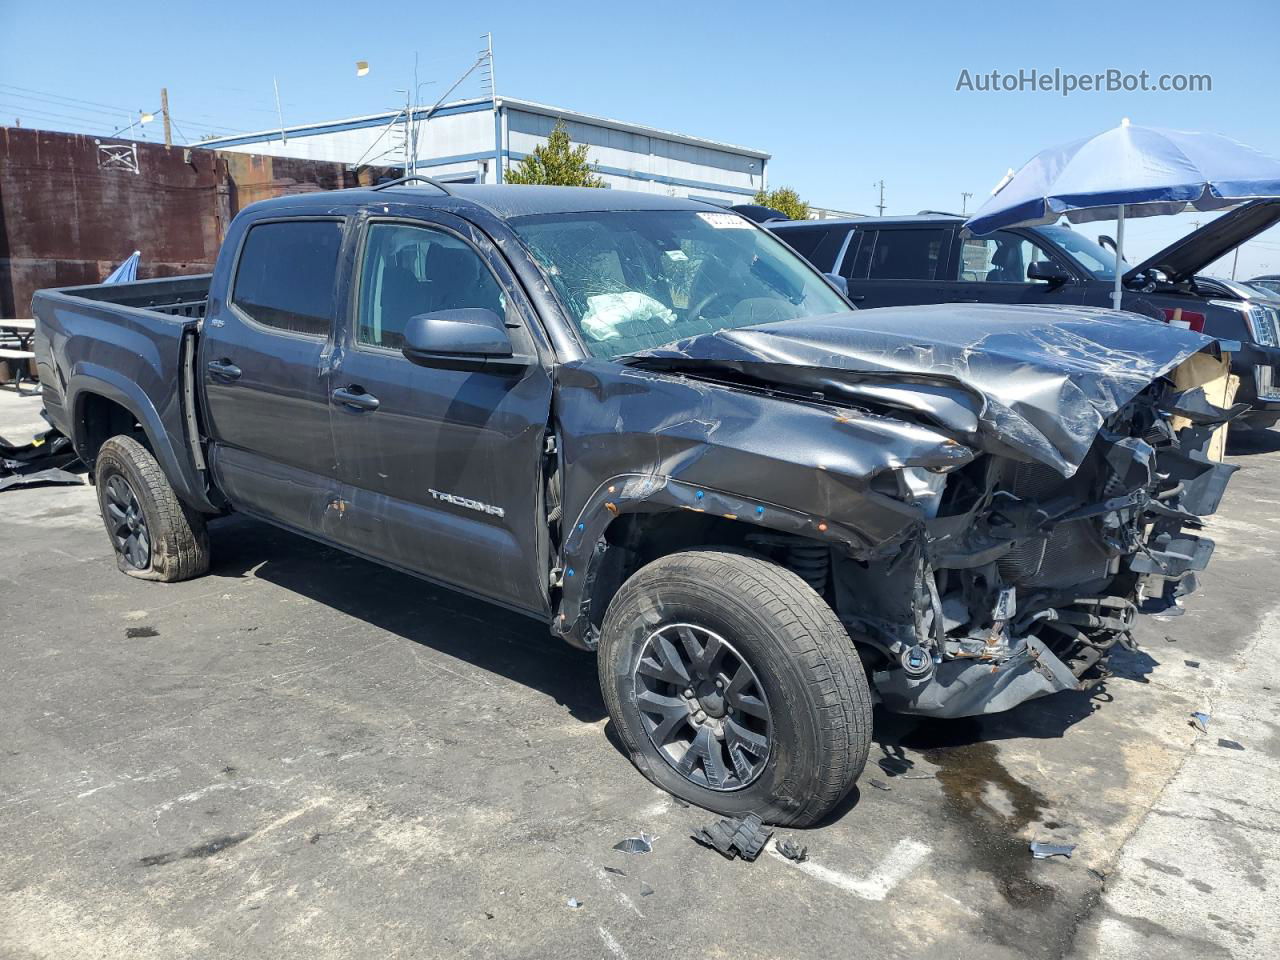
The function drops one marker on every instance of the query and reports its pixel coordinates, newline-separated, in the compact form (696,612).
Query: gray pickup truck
(651,425)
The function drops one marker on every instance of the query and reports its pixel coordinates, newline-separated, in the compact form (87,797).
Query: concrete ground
(305,755)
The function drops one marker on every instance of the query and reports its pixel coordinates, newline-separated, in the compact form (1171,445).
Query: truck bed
(174,296)
(130,346)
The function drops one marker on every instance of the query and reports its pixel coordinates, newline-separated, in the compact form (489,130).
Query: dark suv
(931,258)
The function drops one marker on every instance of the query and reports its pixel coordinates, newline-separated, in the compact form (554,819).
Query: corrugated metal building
(474,141)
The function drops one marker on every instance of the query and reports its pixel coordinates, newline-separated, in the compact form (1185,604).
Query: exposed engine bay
(1022,581)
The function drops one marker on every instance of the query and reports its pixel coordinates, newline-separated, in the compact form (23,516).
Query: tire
(802,665)
(176,539)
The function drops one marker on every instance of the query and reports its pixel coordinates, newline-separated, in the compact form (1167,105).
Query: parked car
(1269,283)
(931,258)
(651,425)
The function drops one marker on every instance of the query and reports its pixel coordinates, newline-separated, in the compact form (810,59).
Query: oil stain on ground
(995,808)
(199,851)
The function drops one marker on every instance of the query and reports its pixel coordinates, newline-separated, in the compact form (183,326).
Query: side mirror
(472,338)
(839,282)
(1049,272)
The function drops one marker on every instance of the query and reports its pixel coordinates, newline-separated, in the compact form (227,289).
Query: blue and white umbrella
(127,272)
(1129,172)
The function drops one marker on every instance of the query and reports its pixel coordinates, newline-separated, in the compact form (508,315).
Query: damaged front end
(1020,581)
(1027,562)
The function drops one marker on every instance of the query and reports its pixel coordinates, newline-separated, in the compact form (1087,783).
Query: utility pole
(487,54)
(964,202)
(408,134)
(880,205)
(279,112)
(164,112)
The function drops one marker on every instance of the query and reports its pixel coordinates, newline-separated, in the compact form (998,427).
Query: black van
(931,258)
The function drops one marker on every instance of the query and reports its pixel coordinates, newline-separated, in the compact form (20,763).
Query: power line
(56,96)
(24,110)
(108,110)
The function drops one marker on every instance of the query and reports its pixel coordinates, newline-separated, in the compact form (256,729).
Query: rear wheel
(734,686)
(154,534)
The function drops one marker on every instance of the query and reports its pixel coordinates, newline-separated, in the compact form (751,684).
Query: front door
(993,269)
(440,470)
(264,352)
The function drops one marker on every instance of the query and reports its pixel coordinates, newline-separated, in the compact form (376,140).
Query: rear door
(898,264)
(265,351)
(440,470)
(993,269)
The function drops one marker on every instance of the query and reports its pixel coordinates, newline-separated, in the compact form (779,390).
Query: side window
(857,259)
(999,258)
(286,273)
(909,254)
(410,270)
(805,241)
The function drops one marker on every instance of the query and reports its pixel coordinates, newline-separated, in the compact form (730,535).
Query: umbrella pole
(1117,295)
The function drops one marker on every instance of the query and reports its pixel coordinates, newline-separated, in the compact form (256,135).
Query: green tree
(558,163)
(784,200)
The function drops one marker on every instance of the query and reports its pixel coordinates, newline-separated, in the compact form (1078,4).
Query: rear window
(909,254)
(286,275)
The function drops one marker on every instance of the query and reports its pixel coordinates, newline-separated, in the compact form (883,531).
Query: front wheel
(734,686)
(155,535)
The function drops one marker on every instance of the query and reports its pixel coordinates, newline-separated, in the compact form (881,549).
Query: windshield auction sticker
(725,221)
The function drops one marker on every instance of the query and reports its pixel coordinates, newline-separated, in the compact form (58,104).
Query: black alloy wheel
(703,707)
(127,523)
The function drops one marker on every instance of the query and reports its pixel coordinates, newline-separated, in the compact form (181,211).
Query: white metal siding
(462,144)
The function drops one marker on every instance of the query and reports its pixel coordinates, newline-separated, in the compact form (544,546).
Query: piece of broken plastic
(791,850)
(879,784)
(1200,721)
(1043,851)
(640,844)
(740,837)
(574,902)
(1230,744)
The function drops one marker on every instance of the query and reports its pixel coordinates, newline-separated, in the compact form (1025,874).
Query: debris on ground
(37,477)
(40,461)
(615,871)
(894,766)
(640,844)
(738,837)
(1200,721)
(1193,664)
(791,850)
(1230,744)
(645,889)
(1043,851)
(879,784)
(574,902)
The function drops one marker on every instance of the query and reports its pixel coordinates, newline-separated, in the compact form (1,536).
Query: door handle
(355,398)
(224,369)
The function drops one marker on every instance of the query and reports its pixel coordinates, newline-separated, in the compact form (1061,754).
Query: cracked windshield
(633,280)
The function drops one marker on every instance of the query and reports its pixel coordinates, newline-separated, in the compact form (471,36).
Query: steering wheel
(697,310)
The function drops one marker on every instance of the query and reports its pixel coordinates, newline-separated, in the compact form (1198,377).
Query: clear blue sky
(842,94)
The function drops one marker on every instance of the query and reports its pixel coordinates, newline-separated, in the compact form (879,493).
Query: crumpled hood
(1039,381)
